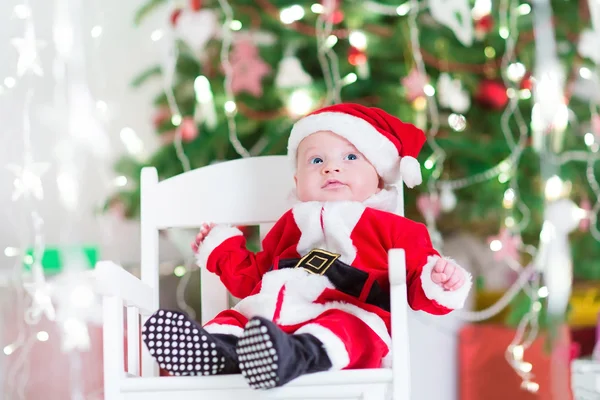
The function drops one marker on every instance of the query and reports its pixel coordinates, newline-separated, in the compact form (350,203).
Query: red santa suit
(355,332)
(317,295)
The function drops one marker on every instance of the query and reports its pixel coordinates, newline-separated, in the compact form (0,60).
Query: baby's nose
(329,168)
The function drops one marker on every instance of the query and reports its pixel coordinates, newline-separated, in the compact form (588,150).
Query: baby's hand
(447,275)
(204,231)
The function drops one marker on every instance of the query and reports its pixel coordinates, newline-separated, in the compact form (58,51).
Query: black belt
(344,277)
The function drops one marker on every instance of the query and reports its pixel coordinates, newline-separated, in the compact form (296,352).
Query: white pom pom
(410,171)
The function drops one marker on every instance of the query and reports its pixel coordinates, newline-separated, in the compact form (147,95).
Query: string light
(585,73)
(524,9)
(589,139)
(42,336)
(299,103)
(317,8)
(102,106)
(429,90)
(179,271)
(331,41)
(10,82)
(543,292)
(9,349)
(328,59)
(205,104)
(554,188)
(96,31)
(509,198)
(291,14)
(156,35)
(235,25)
(358,39)
(495,245)
(515,71)
(11,251)
(481,9)
(176,119)
(350,79)
(230,107)
(131,140)
(525,94)
(120,181)
(403,9)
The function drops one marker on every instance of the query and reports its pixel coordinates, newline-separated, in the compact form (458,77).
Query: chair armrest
(400,338)
(113,280)
(397,267)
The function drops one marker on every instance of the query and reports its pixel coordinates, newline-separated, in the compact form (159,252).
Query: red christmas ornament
(195,4)
(356,56)
(485,23)
(526,82)
(117,208)
(161,115)
(334,15)
(175,16)
(189,129)
(492,94)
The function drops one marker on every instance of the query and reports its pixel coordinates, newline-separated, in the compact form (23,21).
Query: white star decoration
(27,47)
(28,179)
(41,293)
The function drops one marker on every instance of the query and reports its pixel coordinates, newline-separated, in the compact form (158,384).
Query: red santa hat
(392,146)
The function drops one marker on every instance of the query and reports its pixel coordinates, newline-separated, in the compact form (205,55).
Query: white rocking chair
(252,191)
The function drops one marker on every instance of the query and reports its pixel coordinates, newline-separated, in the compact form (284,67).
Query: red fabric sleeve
(241,270)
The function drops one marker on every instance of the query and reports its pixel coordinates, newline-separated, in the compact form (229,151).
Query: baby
(316,298)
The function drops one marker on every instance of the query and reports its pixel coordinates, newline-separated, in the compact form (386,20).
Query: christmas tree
(238,74)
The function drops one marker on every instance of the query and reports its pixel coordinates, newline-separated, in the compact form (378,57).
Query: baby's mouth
(332,184)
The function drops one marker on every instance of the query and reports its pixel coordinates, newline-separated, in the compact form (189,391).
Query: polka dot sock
(269,357)
(182,347)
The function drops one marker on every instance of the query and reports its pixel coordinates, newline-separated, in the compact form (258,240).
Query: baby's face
(330,168)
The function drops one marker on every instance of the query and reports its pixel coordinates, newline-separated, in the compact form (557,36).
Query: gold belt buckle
(317,261)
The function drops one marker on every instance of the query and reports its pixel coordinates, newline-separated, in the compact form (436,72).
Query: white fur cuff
(450,299)
(334,347)
(215,238)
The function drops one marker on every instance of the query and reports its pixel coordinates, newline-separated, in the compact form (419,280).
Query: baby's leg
(183,347)
(349,342)
(334,340)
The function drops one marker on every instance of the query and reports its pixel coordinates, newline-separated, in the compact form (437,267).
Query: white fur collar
(385,200)
(328,226)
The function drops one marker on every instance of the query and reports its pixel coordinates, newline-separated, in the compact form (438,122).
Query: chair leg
(378,393)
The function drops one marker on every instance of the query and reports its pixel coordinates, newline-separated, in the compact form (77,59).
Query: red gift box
(486,375)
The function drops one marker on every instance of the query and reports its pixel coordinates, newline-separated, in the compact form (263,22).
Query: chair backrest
(249,191)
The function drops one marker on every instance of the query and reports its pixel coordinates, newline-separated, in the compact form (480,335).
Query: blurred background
(508,92)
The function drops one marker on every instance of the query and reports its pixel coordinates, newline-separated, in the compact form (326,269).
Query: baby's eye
(351,157)
(316,160)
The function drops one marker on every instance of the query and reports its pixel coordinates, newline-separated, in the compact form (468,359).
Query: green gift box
(54,258)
